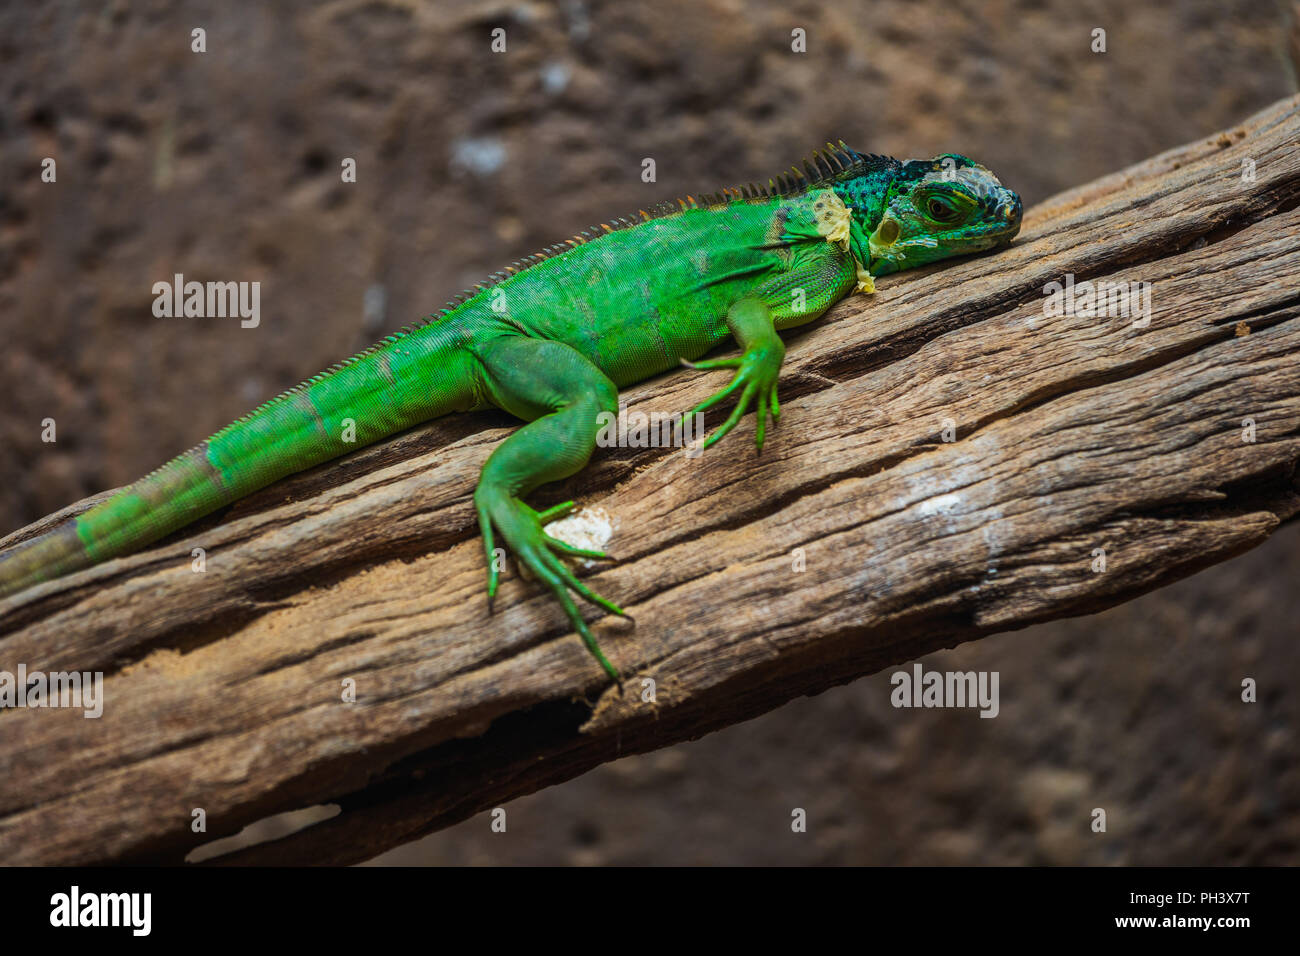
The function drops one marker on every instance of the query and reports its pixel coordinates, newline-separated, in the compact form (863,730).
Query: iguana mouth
(886,243)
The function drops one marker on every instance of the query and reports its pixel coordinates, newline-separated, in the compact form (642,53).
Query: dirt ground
(225,165)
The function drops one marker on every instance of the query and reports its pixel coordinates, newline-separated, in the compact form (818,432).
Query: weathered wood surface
(223,688)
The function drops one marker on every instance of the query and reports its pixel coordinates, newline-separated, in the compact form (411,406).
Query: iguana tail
(406,379)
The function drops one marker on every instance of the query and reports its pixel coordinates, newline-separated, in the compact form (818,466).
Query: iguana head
(941,207)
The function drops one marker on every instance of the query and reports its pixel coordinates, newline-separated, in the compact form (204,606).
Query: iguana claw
(756,376)
(522,528)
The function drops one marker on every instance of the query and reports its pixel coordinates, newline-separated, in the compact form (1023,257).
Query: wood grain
(223,688)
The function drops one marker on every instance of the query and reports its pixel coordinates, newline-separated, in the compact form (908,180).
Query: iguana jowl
(552,339)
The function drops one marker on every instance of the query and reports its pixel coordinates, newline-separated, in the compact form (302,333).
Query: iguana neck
(866,195)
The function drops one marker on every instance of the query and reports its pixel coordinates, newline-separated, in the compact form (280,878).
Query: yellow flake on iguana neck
(833,218)
(834,222)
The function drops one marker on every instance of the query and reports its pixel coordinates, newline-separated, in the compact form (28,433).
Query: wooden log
(951,462)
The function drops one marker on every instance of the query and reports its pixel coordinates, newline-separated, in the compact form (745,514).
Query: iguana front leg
(820,275)
(560,393)
(757,369)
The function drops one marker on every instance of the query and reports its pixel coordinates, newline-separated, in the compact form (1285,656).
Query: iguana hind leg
(561,394)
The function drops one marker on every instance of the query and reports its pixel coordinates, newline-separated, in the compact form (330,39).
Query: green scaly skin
(552,339)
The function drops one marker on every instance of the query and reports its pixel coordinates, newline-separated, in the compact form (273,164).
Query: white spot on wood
(940,504)
(587,528)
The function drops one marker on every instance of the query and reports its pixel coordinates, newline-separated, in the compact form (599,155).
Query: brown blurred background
(225,165)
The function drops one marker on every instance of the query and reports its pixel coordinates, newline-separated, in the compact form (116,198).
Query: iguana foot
(756,378)
(522,529)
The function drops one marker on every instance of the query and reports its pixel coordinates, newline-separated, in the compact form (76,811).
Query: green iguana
(553,338)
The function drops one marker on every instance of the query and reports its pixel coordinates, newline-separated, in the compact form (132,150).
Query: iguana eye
(940,211)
